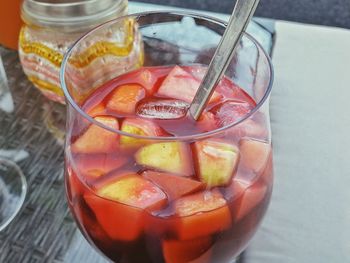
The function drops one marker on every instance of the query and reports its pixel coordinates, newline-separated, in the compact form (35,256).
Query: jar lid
(71,14)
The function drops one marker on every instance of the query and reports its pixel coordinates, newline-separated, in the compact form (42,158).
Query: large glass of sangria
(144,181)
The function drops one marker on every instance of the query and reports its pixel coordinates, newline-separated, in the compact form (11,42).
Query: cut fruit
(216,161)
(97,165)
(254,154)
(252,196)
(251,129)
(175,251)
(173,157)
(96,139)
(226,87)
(173,185)
(133,190)
(147,79)
(97,110)
(202,214)
(124,99)
(121,216)
(180,84)
(207,122)
(138,127)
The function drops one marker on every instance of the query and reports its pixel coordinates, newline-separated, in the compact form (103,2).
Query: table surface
(44,230)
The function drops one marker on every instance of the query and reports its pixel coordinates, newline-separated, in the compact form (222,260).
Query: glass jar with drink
(50,27)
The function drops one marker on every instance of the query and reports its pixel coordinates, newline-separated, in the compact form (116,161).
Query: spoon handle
(241,15)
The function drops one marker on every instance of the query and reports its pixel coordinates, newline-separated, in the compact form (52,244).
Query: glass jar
(51,27)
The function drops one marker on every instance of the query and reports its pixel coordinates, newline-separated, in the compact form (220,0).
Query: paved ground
(324,12)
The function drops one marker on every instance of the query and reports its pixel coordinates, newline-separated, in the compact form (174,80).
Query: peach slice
(119,205)
(216,161)
(173,157)
(254,154)
(175,251)
(96,139)
(124,99)
(173,185)
(180,84)
(202,214)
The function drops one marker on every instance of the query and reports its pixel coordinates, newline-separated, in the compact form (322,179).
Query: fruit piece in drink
(254,154)
(96,139)
(173,185)
(138,127)
(119,205)
(216,161)
(172,157)
(179,84)
(175,251)
(124,99)
(202,214)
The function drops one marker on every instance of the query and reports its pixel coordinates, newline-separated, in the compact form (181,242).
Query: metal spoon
(241,15)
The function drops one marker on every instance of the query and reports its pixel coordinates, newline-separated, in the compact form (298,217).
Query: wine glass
(142,194)
(13,186)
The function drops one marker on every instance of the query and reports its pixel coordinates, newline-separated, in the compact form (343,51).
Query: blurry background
(322,12)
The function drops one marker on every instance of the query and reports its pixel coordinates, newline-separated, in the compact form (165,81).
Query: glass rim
(91,120)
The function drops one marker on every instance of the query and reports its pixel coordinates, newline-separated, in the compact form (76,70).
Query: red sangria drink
(144,180)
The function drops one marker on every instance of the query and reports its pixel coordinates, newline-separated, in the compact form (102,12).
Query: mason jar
(51,27)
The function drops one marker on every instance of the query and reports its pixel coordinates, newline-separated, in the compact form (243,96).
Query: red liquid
(139,200)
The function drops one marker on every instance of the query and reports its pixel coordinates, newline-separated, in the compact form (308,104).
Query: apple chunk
(254,154)
(96,139)
(119,205)
(173,157)
(215,161)
(124,99)
(180,84)
(202,214)
(173,185)
(138,127)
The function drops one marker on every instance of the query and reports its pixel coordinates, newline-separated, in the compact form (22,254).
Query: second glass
(144,188)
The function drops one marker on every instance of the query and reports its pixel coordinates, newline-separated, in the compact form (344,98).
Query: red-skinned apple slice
(124,99)
(179,84)
(96,139)
(119,205)
(172,157)
(138,127)
(173,185)
(216,161)
(202,214)
(254,154)
(175,251)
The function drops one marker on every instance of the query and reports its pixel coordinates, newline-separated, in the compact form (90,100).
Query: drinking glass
(13,186)
(102,177)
